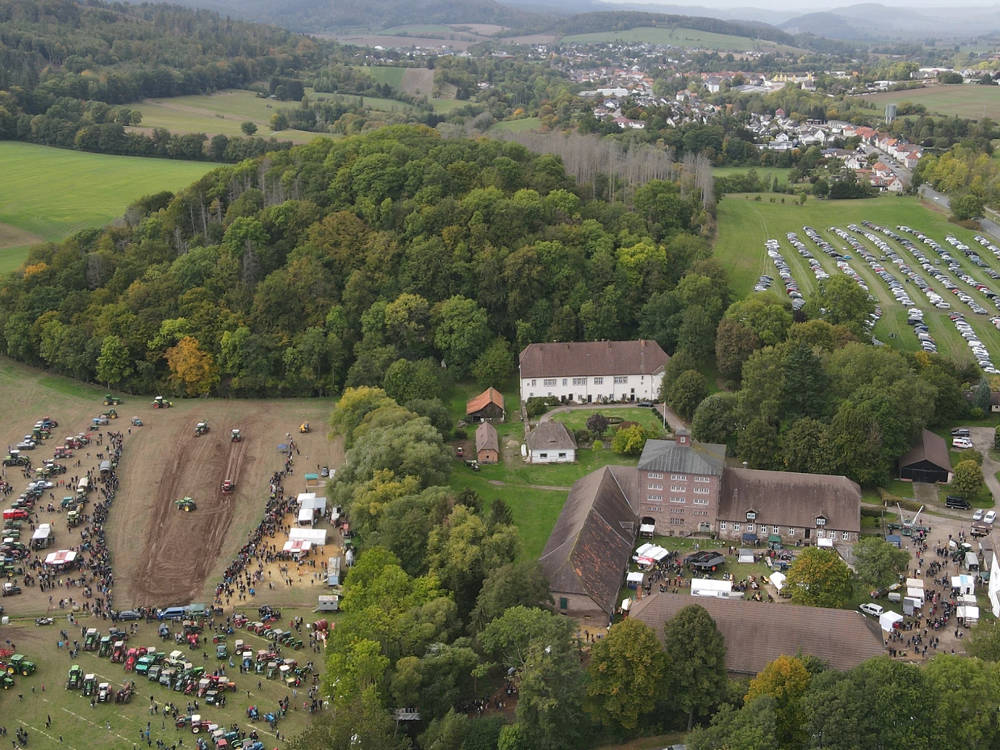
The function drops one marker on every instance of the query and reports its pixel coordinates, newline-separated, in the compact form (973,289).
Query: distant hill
(586,23)
(340,15)
(869,21)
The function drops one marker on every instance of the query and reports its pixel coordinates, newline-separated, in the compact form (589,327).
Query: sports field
(221,113)
(49,193)
(745,224)
(674,37)
(962,100)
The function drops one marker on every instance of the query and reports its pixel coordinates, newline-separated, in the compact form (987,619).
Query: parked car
(873,609)
(962,443)
(990,517)
(957,502)
(978,515)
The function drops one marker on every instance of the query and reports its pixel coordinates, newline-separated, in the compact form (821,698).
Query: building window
(677,521)
(675,488)
(677,500)
(598,381)
(846,536)
(722,525)
(656,485)
(654,475)
(543,455)
(534,382)
(750,528)
(736,526)
(791,531)
(702,479)
(677,511)
(701,501)
(775,530)
(701,490)
(621,378)
(751,515)
(655,498)
(562,455)
(563,602)
(564,381)
(579,381)
(820,521)
(679,477)
(654,508)
(549,382)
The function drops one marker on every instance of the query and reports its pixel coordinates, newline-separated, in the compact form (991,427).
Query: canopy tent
(647,529)
(916,583)
(305,496)
(317,504)
(915,593)
(316,536)
(777,580)
(42,532)
(824,541)
(297,547)
(994,588)
(710,587)
(305,516)
(888,619)
(750,538)
(60,558)
(282,447)
(967,599)
(971,561)
(634,580)
(965,583)
(895,540)
(746,556)
(970,614)
(774,541)
(626,605)
(648,554)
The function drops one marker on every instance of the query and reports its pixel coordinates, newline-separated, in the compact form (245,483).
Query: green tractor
(186,504)
(110,400)
(110,414)
(75,677)
(235,436)
(6,681)
(19,665)
(73,519)
(200,429)
(89,684)
(105,649)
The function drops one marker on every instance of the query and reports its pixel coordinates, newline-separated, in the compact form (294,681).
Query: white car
(990,517)
(961,443)
(977,515)
(875,610)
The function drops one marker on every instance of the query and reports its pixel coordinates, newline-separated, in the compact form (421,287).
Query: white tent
(964,583)
(777,580)
(642,548)
(634,580)
(994,588)
(746,556)
(305,517)
(315,503)
(60,558)
(42,532)
(915,583)
(297,547)
(824,542)
(915,593)
(969,613)
(304,496)
(888,619)
(626,605)
(316,536)
(967,599)
(710,587)
(647,529)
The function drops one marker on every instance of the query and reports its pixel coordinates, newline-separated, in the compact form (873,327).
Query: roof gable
(929,447)
(582,358)
(489,396)
(551,436)
(487,438)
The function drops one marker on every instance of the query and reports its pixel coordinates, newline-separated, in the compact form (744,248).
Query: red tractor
(228,486)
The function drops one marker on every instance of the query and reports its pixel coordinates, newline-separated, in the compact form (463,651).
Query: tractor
(110,414)
(304,428)
(73,519)
(200,429)
(110,400)
(124,693)
(14,458)
(186,504)
(221,651)
(6,681)
(161,403)
(75,677)
(89,684)
(235,436)
(104,650)
(136,422)
(228,486)
(104,692)
(91,640)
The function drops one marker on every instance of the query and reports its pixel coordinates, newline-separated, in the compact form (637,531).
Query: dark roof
(642,357)
(486,438)
(550,436)
(694,458)
(489,396)
(757,634)
(929,447)
(590,545)
(787,498)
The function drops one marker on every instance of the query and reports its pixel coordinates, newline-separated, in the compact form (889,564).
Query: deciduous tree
(626,674)
(696,661)
(879,563)
(818,577)
(192,369)
(968,479)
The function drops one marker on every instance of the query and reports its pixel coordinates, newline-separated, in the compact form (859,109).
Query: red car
(14,514)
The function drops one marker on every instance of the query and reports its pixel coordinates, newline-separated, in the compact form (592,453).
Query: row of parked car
(784,273)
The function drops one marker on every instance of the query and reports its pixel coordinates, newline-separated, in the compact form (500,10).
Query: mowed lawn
(961,100)
(49,193)
(766,174)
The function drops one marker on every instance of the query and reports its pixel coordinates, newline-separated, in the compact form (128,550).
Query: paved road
(982,438)
(926,191)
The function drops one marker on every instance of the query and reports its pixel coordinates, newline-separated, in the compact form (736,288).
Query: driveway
(982,438)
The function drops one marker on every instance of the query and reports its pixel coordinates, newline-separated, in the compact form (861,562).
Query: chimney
(682,437)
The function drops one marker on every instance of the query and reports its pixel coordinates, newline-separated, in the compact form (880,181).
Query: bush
(459,434)
(583,436)
(536,406)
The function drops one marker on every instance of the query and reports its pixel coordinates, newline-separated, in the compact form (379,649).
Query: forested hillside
(586,23)
(369,260)
(66,68)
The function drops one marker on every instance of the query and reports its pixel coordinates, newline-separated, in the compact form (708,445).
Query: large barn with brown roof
(756,633)
(486,407)
(588,551)
(593,371)
(927,461)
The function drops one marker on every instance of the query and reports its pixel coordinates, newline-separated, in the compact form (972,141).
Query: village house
(487,444)
(550,443)
(593,371)
(486,407)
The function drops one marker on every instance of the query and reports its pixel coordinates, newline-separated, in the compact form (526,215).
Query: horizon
(792,6)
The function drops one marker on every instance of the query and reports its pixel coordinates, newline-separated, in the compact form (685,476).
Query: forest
(66,68)
(396,258)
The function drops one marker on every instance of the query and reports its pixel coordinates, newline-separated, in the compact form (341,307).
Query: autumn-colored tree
(819,577)
(626,672)
(192,369)
(629,440)
(785,679)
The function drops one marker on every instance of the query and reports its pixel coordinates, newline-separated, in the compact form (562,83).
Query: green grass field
(960,100)
(48,193)
(675,37)
(220,113)
(745,224)
(764,173)
(517,126)
(393,76)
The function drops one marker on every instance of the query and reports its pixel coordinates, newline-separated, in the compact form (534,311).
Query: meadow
(674,37)
(764,173)
(960,100)
(48,193)
(517,126)
(746,223)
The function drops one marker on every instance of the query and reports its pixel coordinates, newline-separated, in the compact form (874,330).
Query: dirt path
(548,487)
(982,438)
